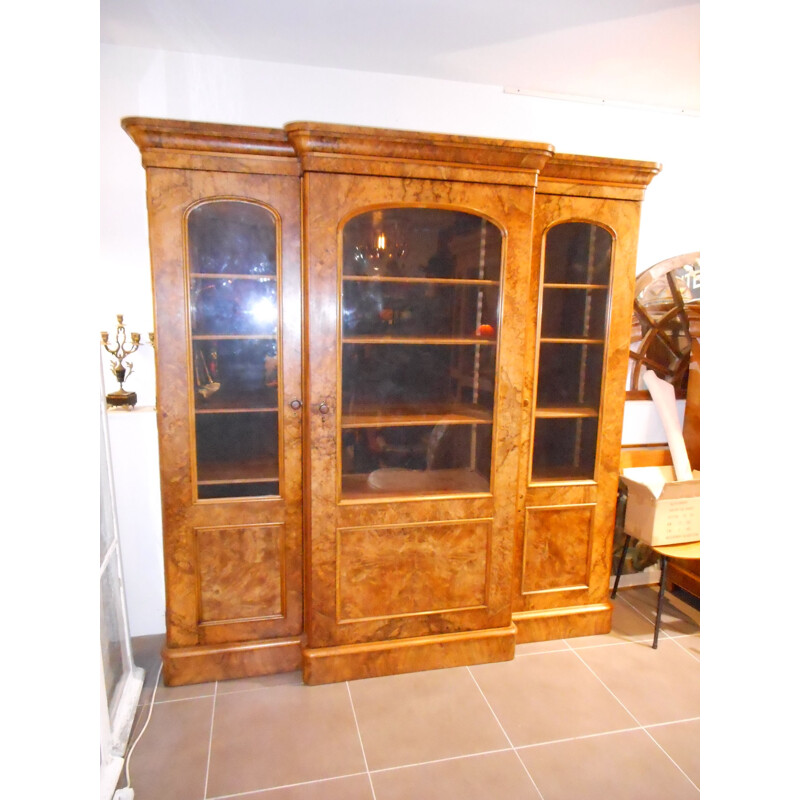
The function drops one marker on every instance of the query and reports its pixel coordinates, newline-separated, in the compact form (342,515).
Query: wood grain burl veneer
(329,573)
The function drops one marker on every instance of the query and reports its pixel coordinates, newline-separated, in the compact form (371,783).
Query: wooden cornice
(379,151)
(593,176)
(322,147)
(210,146)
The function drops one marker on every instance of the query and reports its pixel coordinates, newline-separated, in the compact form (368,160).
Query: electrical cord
(126,793)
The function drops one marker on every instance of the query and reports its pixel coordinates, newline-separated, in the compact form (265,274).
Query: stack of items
(663,505)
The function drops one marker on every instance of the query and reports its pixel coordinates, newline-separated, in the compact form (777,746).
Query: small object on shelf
(485,330)
(122,371)
(204,376)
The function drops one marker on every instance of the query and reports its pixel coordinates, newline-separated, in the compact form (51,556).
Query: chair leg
(661,589)
(621,564)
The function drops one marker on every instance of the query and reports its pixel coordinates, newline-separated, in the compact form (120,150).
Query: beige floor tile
(540,647)
(660,685)
(627,625)
(493,776)
(294,678)
(170,759)
(352,787)
(423,716)
(681,740)
(282,735)
(147,655)
(689,643)
(165,694)
(623,766)
(549,696)
(644,600)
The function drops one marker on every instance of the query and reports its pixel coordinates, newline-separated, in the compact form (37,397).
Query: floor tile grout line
(508,738)
(641,726)
(672,722)
(444,759)
(678,766)
(360,740)
(606,733)
(662,631)
(210,738)
(686,649)
(605,686)
(580,737)
(250,792)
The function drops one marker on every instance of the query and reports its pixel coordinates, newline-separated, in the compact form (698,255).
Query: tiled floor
(578,719)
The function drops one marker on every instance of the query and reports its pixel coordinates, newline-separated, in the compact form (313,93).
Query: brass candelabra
(121,369)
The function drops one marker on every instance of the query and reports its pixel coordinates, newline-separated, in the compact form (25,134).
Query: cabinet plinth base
(184,665)
(562,623)
(373,659)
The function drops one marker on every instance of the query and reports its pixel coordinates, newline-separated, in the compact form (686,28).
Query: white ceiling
(618,51)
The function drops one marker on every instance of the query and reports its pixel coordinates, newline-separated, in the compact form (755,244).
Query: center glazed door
(415,339)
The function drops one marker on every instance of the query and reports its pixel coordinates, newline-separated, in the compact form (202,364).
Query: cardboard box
(661,510)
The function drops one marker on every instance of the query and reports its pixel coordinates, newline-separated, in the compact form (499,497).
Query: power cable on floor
(126,793)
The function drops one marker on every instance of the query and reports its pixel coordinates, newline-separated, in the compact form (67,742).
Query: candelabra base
(121,398)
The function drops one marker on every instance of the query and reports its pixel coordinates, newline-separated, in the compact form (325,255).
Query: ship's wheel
(666,317)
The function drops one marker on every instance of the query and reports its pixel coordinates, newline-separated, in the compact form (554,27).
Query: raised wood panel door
(416,327)
(584,255)
(225,251)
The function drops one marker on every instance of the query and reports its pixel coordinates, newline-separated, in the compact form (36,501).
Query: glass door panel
(573,328)
(419,318)
(565,448)
(419,308)
(574,313)
(570,375)
(234,293)
(577,252)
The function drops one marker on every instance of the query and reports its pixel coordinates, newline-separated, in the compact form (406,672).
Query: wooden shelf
(240,403)
(446,340)
(443,281)
(393,416)
(237,410)
(231,276)
(572,340)
(575,286)
(403,483)
(255,471)
(217,337)
(566,412)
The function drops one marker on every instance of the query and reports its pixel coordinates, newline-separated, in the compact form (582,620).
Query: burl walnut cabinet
(391,374)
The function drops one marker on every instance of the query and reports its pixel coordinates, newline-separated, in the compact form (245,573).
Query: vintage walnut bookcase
(391,374)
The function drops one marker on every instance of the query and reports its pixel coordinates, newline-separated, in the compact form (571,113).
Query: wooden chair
(680,563)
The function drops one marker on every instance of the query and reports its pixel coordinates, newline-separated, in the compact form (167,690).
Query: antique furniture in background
(666,320)
(679,563)
(665,337)
(390,373)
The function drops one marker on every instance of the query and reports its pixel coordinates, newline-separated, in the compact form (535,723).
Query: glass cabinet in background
(390,376)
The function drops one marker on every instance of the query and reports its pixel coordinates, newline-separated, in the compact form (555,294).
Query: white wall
(139,82)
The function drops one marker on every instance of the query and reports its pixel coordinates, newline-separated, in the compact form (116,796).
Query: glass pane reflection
(232,249)
(419,309)
(420,318)
(577,252)
(232,237)
(228,306)
(573,327)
